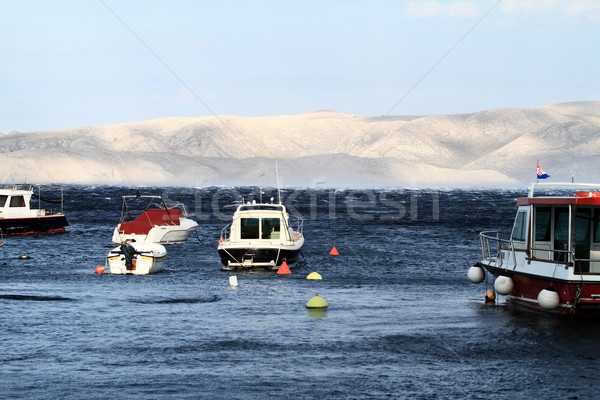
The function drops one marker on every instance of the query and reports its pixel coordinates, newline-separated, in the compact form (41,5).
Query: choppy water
(403,321)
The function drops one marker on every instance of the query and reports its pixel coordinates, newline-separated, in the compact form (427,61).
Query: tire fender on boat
(504,285)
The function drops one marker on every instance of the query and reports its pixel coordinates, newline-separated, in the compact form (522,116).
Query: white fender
(504,285)
(548,299)
(476,274)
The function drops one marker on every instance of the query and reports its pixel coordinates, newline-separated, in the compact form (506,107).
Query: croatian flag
(540,172)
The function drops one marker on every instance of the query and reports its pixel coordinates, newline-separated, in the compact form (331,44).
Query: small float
(18,217)
(151,219)
(136,258)
(551,262)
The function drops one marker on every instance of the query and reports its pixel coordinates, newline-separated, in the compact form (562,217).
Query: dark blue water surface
(403,320)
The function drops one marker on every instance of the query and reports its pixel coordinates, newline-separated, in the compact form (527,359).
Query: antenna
(277,174)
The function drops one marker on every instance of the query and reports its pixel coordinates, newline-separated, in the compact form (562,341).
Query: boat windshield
(270,228)
(249,228)
(260,228)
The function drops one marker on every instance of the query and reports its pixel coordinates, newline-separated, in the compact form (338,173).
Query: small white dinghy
(136,258)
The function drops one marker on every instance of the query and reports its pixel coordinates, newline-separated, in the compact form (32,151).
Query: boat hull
(257,257)
(148,258)
(578,298)
(32,225)
(164,234)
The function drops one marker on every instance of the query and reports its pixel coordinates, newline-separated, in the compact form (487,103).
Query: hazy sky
(68,64)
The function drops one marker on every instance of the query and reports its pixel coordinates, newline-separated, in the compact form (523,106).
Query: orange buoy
(490,296)
(334,252)
(99,269)
(221,239)
(284,269)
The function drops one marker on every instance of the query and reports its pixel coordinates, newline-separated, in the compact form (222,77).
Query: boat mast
(277,174)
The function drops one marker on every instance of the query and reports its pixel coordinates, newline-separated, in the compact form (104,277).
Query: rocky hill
(330,149)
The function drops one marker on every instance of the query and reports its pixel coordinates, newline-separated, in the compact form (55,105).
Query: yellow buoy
(24,256)
(314,275)
(317,302)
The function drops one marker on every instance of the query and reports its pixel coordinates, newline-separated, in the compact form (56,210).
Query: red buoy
(334,252)
(99,269)
(284,269)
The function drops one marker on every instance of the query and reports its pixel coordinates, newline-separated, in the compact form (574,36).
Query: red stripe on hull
(577,298)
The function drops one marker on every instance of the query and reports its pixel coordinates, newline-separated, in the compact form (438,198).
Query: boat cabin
(256,222)
(15,202)
(563,230)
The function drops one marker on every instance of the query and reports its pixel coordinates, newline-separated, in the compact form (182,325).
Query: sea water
(403,320)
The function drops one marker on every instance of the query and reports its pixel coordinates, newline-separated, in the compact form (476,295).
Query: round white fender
(476,274)
(548,299)
(504,285)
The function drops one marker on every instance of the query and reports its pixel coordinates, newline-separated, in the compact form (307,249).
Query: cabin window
(249,228)
(561,231)
(582,226)
(3,200)
(271,228)
(543,216)
(520,229)
(583,221)
(17,201)
(596,226)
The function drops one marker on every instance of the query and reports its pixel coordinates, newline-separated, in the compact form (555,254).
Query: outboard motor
(129,252)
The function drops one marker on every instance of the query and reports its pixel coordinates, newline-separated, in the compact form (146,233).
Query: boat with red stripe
(18,217)
(551,262)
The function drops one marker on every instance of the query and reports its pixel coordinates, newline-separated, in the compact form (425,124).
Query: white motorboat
(136,258)
(156,222)
(260,235)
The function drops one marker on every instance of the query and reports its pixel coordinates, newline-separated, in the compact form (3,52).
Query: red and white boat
(136,258)
(150,219)
(551,262)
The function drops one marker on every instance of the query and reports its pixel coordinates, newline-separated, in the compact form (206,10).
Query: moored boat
(17,216)
(259,236)
(150,219)
(551,262)
(136,258)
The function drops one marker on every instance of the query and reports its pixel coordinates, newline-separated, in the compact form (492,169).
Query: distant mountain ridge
(496,147)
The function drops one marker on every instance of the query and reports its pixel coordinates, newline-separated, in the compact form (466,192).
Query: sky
(77,63)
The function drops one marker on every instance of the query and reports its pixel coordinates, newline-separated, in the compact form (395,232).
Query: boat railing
(559,256)
(299,224)
(40,198)
(566,185)
(491,246)
(225,231)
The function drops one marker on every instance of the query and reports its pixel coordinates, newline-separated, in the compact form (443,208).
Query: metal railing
(491,247)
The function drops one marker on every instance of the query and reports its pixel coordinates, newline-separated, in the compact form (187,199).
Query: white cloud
(429,9)
(587,8)
(529,6)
